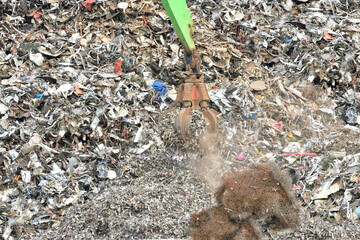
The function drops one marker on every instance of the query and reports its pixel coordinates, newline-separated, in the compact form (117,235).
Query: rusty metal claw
(211,119)
(193,95)
(182,123)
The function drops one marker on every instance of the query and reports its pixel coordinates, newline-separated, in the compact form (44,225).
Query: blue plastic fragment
(351,115)
(172,36)
(251,115)
(160,89)
(39,95)
(102,170)
(357,211)
(40,217)
(288,40)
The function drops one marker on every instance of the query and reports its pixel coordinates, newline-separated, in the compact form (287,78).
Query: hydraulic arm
(192,94)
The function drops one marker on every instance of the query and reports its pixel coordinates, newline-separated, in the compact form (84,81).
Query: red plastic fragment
(118,67)
(36,15)
(79,90)
(88,4)
(328,36)
(279,125)
(143,16)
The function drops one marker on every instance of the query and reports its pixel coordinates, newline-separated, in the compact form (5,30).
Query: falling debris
(247,201)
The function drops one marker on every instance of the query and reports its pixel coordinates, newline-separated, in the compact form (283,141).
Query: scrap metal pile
(83,153)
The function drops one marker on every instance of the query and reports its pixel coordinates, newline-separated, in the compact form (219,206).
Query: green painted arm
(180,18)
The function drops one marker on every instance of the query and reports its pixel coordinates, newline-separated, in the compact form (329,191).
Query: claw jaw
(182,123)
(183,120)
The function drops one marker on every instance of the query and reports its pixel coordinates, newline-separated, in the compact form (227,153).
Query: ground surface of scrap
(83,154)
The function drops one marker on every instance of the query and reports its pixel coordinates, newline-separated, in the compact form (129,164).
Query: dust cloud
(246,201)
(210,165)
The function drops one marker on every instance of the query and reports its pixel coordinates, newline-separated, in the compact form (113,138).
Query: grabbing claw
(193,95)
